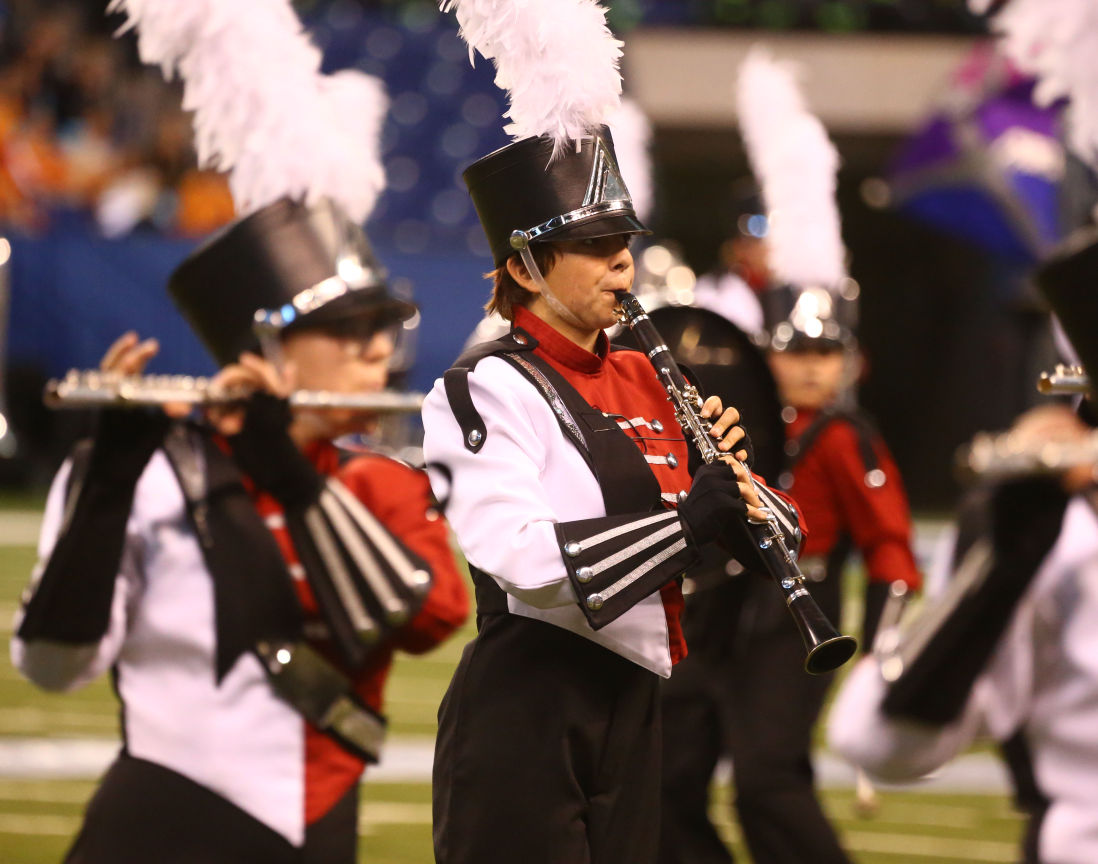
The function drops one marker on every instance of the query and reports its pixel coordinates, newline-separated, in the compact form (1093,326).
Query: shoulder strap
(556,391)
(864,429)
(456,382)
(626,481)
(303,678)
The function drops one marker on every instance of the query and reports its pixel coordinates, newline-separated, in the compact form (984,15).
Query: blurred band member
(245,586)
(1009,649)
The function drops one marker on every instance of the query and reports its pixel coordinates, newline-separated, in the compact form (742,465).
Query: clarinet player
(570,491)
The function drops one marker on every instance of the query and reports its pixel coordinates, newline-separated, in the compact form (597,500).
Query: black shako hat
(287,266)
(575,195)
(1069,281)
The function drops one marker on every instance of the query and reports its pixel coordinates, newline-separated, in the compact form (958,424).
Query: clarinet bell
(829,655)
(827,649)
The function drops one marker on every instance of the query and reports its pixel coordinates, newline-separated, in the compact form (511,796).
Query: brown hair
(506,292)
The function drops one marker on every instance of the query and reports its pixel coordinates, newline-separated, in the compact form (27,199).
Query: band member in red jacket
(573,494)
(245,585)
(757,706)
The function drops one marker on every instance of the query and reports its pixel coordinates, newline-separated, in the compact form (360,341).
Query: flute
(91,389)
(1003,456)
(1064,380)
(826,648)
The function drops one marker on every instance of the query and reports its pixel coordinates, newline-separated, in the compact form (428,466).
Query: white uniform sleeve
(60,666)
(498,506)
(891,749)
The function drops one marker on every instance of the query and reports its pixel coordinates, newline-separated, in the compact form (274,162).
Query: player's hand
(1052,424)
(747,488)
(725,428)
(129,354)
(251,374)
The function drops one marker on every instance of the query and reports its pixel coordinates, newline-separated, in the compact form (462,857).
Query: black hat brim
(360,311)
(606,225)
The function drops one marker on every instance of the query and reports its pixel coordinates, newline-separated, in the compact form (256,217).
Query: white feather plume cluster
(795,165)
(262,109)
(1056,41)
(557,60)
(632,137)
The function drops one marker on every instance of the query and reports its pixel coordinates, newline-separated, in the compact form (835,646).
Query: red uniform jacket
(829,483)
(400,497)
(623,384)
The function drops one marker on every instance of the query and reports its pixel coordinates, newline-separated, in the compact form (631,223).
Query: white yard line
(392,813)
(408,760)
(37,824)
(921,846)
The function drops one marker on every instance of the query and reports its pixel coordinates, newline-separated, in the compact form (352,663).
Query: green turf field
(38,817)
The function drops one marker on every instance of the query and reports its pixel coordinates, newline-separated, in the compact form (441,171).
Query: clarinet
(826,649)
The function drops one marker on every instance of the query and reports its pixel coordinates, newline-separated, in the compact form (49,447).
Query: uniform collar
(559,347)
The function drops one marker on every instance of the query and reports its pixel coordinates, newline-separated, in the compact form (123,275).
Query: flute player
(208,568)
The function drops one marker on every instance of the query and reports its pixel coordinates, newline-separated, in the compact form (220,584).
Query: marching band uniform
(1009,648)
(1034,687)
(851,494)
(761,709)
(844,476)
(562,469)
(246,720)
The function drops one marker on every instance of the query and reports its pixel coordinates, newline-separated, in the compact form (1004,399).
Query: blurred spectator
(85,128)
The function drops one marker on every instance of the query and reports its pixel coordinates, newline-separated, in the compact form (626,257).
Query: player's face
(584,278)
(340,364)
(808,379)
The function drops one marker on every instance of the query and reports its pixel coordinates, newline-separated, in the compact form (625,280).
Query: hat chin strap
(520,241)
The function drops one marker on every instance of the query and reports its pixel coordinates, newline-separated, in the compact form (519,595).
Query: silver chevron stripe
(631,550)
(610,534)
(417,580)
(362,556)
(656,460)
(778,507)
(341,579)
(973,571)
(649,565)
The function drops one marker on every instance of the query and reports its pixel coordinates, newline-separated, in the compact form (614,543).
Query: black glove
(72,600)
(265,452)
(714,500)
(694,459)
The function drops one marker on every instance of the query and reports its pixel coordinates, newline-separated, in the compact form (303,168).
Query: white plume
(262,109)
(796,165)
(632,137)
(556,59)
(1057,42)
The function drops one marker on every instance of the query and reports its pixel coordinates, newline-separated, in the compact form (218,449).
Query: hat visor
(358,312)
(603,225)
(804,344)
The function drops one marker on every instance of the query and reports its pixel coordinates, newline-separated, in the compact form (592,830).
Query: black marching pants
(765,706)
(548,752)
(144,813)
